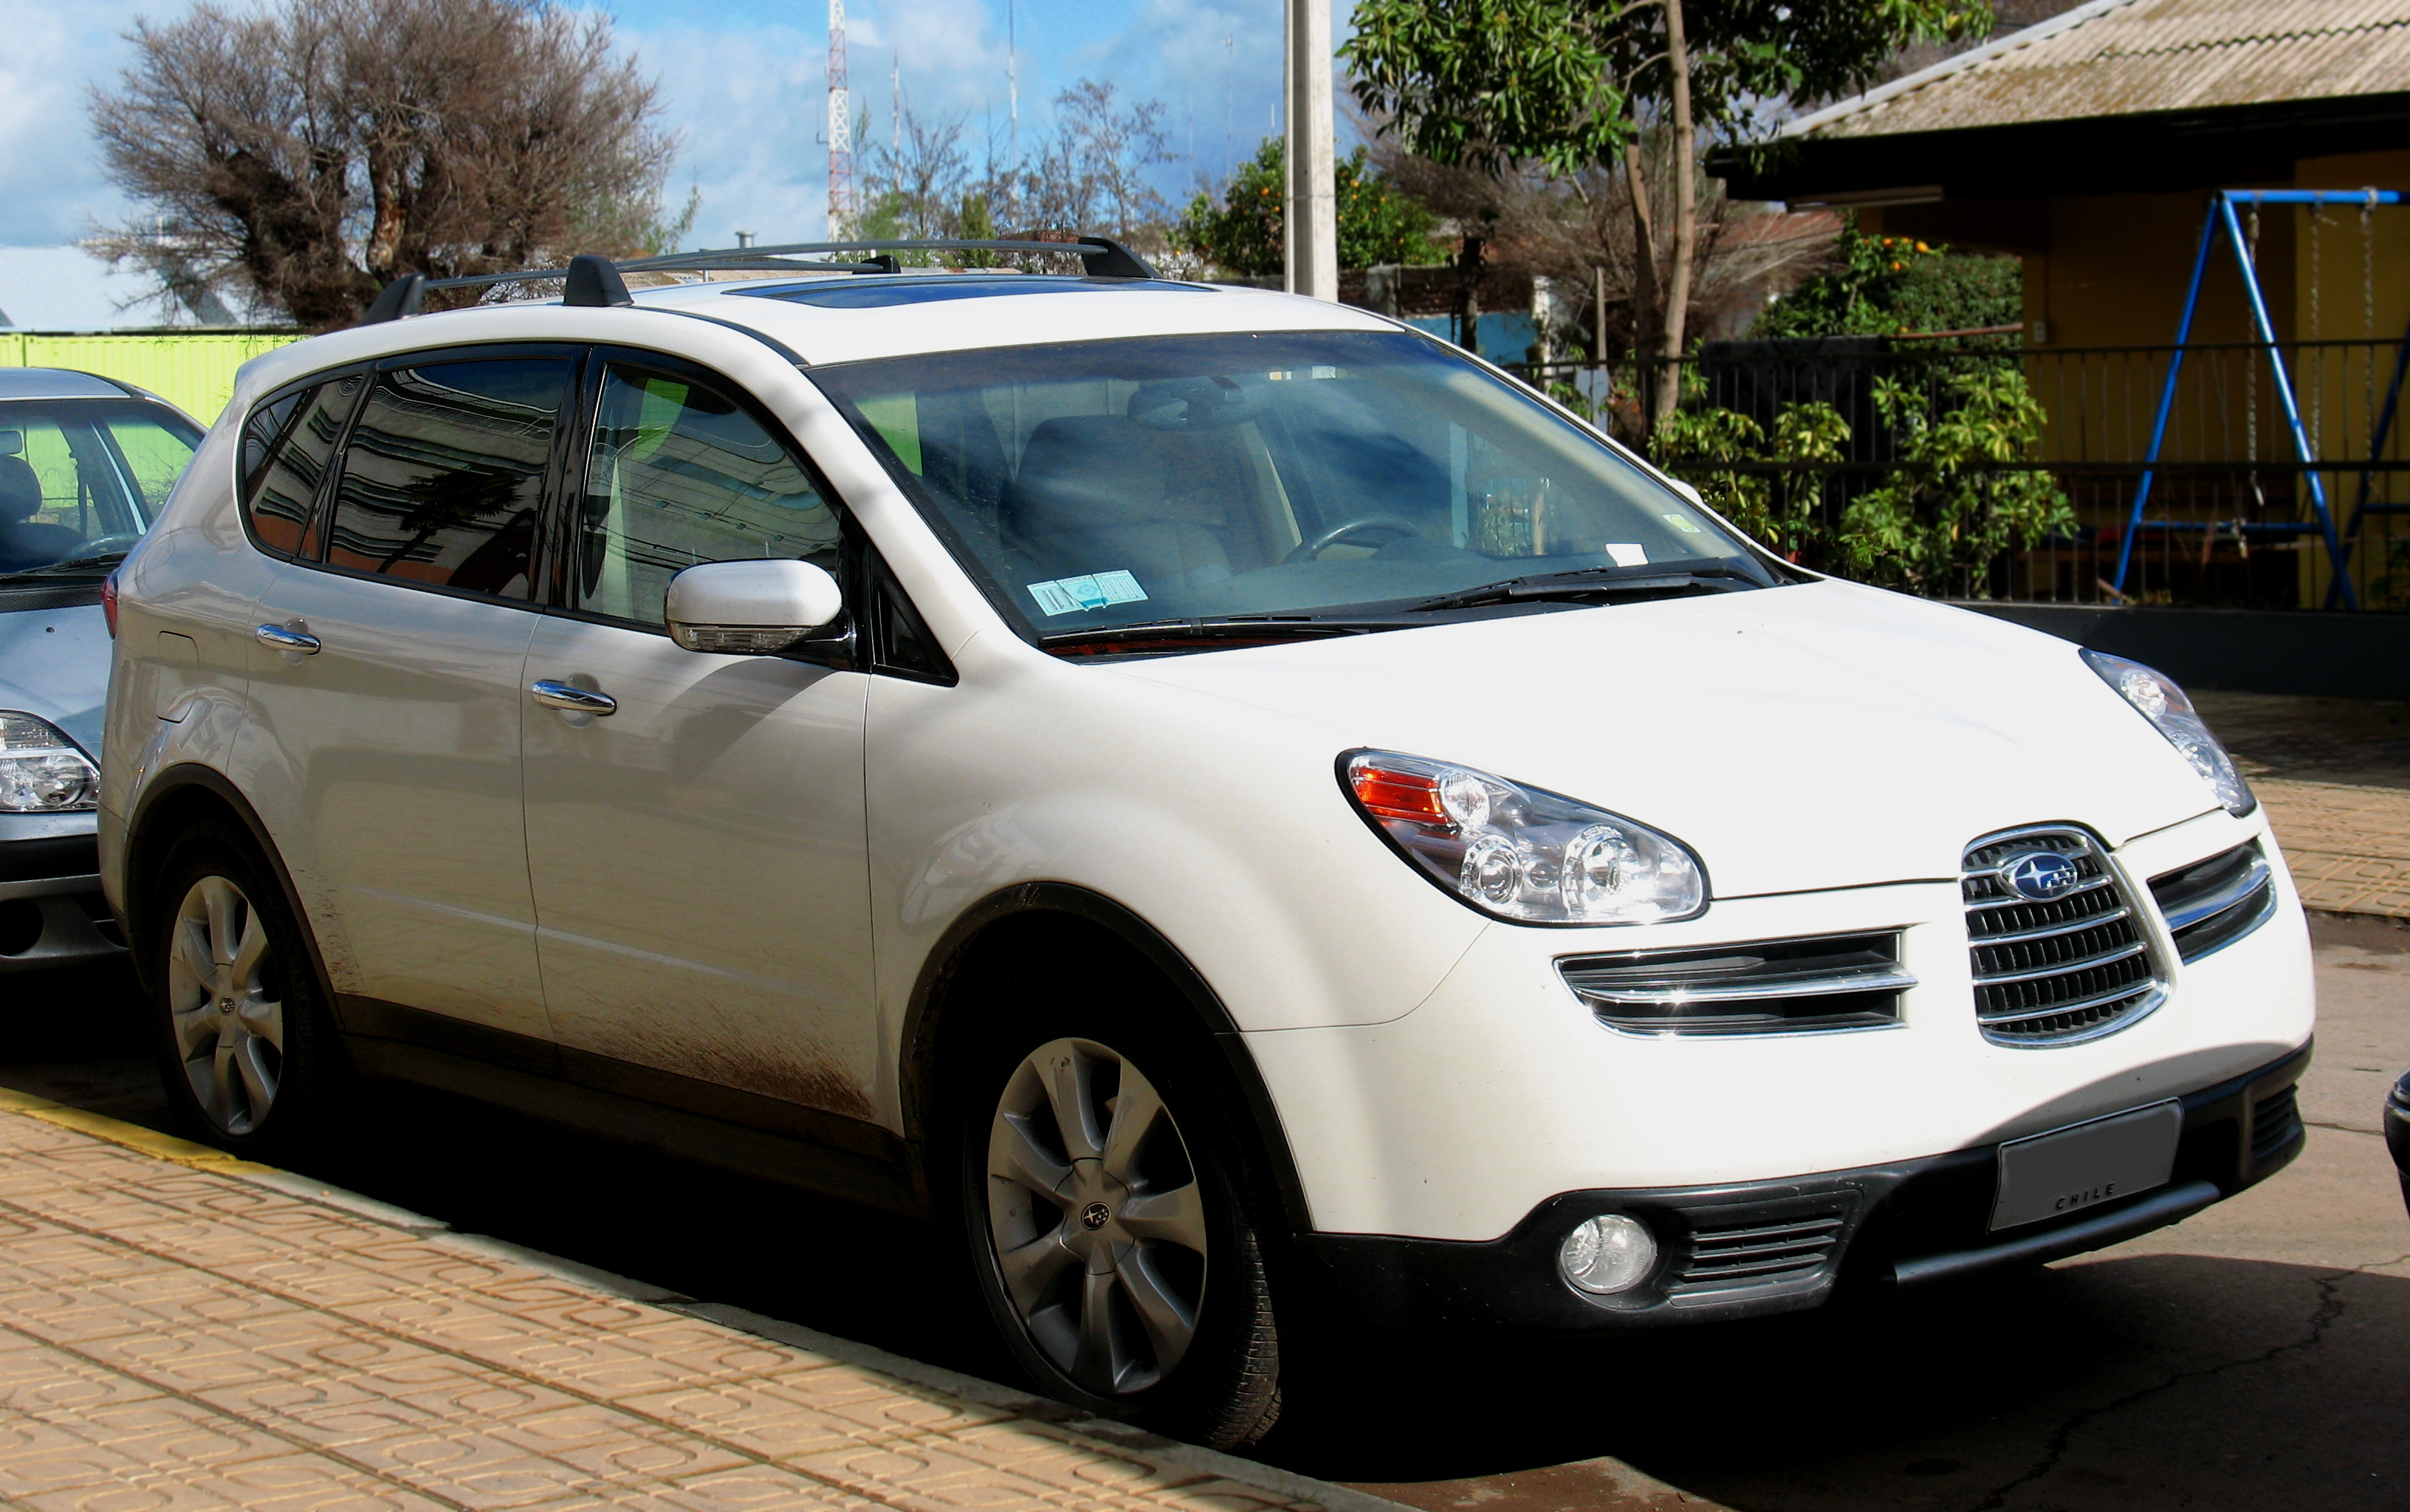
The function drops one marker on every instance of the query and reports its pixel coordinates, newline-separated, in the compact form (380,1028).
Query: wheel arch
(173,802)
(1006,931)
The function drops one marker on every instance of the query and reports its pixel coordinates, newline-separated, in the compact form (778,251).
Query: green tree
(1939,523)
(1572,84)
(1891,285)
(1378,222)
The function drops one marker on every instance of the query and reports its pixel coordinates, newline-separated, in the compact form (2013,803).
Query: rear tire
(1107,1233)
(245,1051)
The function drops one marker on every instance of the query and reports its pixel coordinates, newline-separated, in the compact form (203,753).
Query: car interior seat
(1091,497)
(24,542)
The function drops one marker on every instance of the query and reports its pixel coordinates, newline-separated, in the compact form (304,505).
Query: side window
(444,473)
(680,475)
(285,449)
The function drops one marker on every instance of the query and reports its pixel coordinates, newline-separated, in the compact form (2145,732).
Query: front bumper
(51,910)
(1775,1246)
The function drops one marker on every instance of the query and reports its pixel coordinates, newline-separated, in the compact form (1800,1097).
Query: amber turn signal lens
(1389,795)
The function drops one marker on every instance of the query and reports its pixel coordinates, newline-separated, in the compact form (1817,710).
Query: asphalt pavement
(2255,1356)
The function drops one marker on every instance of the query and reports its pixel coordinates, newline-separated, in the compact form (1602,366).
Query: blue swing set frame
(2222,217)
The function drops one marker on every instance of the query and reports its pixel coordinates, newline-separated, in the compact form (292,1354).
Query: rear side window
(680,475)
(285,449)
(444,472)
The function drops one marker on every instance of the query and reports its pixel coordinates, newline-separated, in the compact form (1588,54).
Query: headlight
(42,771)
(2158,699)
(1523,854)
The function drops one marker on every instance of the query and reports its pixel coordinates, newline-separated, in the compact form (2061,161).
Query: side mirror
(750,608)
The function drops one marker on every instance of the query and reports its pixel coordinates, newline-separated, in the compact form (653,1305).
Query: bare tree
(1570,228)
(302,155)
(1090,173)
(917,176)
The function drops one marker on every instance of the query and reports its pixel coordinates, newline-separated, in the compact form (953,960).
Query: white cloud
(52,185)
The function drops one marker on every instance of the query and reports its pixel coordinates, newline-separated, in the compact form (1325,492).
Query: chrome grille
(2055,971)
(2211,903)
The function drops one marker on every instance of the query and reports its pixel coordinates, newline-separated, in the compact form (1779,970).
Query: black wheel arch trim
(918,1049)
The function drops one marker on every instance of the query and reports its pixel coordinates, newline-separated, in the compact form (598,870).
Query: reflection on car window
(444,472)
(1110,483)
(285,450)
(79,480)
(681,475)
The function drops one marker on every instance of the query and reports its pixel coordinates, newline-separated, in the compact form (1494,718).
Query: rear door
(387,684)
(698,854)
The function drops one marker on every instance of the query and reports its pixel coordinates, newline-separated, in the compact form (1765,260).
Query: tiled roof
(2130,57)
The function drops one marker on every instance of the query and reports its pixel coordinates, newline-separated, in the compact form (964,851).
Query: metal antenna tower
(840,129)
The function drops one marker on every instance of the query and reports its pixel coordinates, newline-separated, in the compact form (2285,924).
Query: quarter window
(285,449)
(680,475)
(444,473)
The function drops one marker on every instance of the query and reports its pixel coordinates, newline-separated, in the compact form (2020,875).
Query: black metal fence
(2230,517)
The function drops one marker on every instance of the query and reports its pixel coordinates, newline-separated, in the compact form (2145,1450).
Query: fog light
(1607,1253)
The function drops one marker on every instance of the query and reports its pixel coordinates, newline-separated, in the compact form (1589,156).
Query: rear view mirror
(750,608)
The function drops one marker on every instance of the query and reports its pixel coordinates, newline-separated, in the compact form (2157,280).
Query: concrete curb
(1105,1431)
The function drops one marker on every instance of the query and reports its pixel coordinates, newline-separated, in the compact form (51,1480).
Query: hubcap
(225,1005)
(1096,1217)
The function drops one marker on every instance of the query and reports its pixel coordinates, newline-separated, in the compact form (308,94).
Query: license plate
(2068,1169)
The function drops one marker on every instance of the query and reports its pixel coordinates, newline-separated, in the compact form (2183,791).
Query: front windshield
(1104,484)
(80,480)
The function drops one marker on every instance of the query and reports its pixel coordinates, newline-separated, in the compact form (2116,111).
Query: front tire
(1110,1242)
(242,1050)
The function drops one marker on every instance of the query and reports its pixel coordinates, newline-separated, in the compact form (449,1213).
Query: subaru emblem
(2040,875)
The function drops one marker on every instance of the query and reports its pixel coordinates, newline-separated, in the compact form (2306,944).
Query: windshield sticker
(1683,523)
(1629,555)
(1069,595)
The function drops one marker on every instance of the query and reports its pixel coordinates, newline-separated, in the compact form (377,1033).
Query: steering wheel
(1308,550)
(100,544)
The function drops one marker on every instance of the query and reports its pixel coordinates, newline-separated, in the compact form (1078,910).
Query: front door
(697,853)
(386,687)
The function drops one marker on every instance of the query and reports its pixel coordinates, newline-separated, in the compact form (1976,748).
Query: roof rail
(597,281)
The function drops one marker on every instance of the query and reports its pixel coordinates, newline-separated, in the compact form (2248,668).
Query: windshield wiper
(1268,628)
(1592,583)
(98,563)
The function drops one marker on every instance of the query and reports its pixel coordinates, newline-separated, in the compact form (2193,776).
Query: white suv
(1228,804)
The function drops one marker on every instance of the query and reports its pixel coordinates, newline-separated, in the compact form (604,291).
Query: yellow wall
(2359,289)
(194,371)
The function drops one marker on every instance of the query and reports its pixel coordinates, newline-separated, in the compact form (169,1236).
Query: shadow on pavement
(2157,1381)
(2138,1381)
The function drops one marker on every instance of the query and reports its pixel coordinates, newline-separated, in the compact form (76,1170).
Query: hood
(1818,736)
(54,665)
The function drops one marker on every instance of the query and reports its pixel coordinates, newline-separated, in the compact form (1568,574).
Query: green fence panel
(192,371)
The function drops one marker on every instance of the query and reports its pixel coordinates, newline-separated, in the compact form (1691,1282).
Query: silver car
(84,464)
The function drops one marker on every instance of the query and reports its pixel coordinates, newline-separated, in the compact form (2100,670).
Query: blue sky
(743,81)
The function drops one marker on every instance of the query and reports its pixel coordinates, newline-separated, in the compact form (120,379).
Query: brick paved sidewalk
(2348,846)
(193,1332)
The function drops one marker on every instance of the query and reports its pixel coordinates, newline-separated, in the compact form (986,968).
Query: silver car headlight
(41,770)
(2156,696)
(1524,853)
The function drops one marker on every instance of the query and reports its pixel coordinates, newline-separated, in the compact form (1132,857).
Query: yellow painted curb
(133,1135)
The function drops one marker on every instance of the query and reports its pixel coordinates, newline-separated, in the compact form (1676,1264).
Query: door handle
(572,699)
(298,642)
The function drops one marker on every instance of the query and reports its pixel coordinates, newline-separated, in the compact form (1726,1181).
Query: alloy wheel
(225,1005)
(1096,1217)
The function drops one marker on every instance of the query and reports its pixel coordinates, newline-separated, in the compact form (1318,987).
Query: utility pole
(1012,80)
(840,131)
(1310,226)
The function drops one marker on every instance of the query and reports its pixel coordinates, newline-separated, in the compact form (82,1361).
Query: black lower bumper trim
(1761,1248)
(2155,1209)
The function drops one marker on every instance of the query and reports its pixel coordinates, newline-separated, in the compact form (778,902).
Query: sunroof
(876,293)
